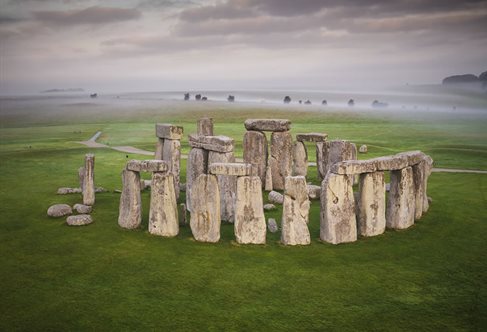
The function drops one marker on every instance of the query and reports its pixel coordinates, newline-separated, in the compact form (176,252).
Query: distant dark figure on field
(231,98)
(204,98)
(186,96)
(307,102)
(324,102)
(300,101)
(287,100)
(94,95)
(197,97)
(351,102)
(379,104)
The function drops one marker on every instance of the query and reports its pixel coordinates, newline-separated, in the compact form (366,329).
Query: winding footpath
(92,143)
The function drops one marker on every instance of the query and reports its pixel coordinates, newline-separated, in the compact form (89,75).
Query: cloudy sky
(149,45)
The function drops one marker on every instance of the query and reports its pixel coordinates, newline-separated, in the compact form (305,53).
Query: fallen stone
(153,165)
(269,207)
(272,225)
(168,131)
(233,169)
(337,219)
(59,210)
(79,220)
(221,144)
(118,191)
(255,152)
(280,160)
(401,200)
(363,149)
(163,214)
(182,187)
(352,167)
(82,209)
(314,191)
(172,156)
(311,137)
(100,190)
(371,204)
(67,190)
(268,124)
(250,225)
(130,209)
(89,180)
(228,185)
(300,159)
(205,218)
(205,127)
(295,213)
(196,165)
(276,197)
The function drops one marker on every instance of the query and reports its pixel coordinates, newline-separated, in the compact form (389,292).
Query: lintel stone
(311,137)
(211,143)
(151,165)
(268,124)
(236,169)
(169,131)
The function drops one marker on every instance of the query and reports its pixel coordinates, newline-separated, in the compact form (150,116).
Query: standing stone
(159,149)
(371,204)
(295,213)
(81,177)
(196,165)
(321,159)
(268,179)
(281,158)
(182,215)
(163,215)
(337,222)
(250,225)
(363,149)
(130,211)
(401,200)
(255,152)
(205,127)
(89,180)
(227,183)
(205,218)
(419,192)
(172,155)
(300,159)
(428,167)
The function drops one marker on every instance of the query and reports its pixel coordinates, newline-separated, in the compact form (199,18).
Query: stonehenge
(168,148)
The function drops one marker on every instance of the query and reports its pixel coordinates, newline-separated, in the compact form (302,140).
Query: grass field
(101,277)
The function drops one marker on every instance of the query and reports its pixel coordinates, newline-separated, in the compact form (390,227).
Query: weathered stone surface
(59,210)
(234,169)
(428,167)
(79,220)
(419,171)
(211,143)
(363,148)
(168,131)
(340,150)
(280,160)
(159,149)
(255,152)
(205,210)
(314,191)
(311,137)
(172,156)
(272,225)
(196,165)
(276,197)
(390,163)
(269,207)
(228,185)
(154,165)
(351,167)
(89,180)
(371,204)
(337,222)
(205,127)
(182,214)
(413,157)
(100,190)
(250,225)
(130,210)
(81,177)
(401,200)
(321,159)
(163,214)
(268,179)
(295,212)
(83,209)
(67,190)
(300,159)
(268,124)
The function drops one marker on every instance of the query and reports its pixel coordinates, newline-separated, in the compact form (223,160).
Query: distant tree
(231,98)
(300,101)
(197,97)
(307,102)
(186,96)
(324,102)
(351,102)
(287,100)
(204,99)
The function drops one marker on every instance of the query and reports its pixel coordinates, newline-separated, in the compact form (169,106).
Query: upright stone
(255,152)
(81,177)
(205,211)
(250,225)
(172,155)
(295,213)
(371,205)
(159,149)
(281,158)
(268,179)
(337,219)
(89,180)
(163,215)
(130,211)
(401,200)
(428,167)
(419,190)
(196,165)
(205,127)
(228,185)
(300,159)
(321,159)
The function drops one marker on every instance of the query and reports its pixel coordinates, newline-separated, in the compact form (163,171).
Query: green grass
(101,277)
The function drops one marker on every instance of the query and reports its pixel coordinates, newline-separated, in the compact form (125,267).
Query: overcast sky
(149,45)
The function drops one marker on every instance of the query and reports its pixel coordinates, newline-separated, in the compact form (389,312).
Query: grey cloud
(91,15)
